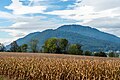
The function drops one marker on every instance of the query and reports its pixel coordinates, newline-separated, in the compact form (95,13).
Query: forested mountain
(90,38)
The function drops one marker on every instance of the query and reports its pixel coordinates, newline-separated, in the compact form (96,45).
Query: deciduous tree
(75,49)
(55,45)
(23,48)
(34,45)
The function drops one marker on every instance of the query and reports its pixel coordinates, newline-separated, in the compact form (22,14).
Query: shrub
(100,54)
(88,53)
(112,54)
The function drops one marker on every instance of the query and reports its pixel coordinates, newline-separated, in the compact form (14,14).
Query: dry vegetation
(23,66)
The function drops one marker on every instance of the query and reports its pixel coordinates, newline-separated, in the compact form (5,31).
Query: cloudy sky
(21,17)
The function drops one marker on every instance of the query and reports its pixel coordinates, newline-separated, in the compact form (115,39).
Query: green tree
(55,45)
(75,49)
(23,48)
(2,47)
(112,54)
(62,45)
(88,53)
(34,45)
(100,54)
(14,47)
(50,45)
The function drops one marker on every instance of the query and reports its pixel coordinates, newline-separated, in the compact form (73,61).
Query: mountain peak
(73,26)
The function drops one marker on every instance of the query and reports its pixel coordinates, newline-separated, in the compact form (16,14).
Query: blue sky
(21,17)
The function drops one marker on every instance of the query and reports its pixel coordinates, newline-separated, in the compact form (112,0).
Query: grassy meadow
(38,66)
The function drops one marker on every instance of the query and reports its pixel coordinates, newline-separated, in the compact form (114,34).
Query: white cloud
(100,5)
(109,25)
(64,0)
(115,31)
(26,25)
(7,41)
(5,15)
(18,8)
(85,13)
(113,22)
(89,9)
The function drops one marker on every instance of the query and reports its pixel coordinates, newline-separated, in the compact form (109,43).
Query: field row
(58,67)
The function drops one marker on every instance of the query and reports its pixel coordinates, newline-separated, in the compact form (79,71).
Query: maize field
(30,66)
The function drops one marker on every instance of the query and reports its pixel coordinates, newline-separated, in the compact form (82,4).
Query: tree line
(54,45)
